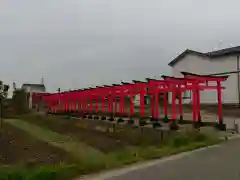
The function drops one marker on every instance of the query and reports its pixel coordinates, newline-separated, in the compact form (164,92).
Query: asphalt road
(218,163)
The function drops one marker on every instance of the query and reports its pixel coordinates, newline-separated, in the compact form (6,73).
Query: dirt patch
(19,148)
(69,127)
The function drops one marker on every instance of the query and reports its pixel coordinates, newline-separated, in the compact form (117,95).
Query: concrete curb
(118,172)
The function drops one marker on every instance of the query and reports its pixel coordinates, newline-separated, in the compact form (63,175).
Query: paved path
(216,163)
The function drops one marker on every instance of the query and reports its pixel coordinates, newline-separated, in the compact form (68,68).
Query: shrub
(185,138)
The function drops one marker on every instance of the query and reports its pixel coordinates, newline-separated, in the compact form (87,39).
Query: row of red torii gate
(99,101)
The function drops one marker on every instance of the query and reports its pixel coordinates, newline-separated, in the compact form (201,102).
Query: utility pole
(14,86)
(42,80)
(220,44)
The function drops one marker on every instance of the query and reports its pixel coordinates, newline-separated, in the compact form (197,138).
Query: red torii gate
(206,79)
(190,82)
(179,85)
(174,85)
(126,89)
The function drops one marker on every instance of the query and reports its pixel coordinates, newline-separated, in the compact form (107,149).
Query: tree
(3,96)
(19,101)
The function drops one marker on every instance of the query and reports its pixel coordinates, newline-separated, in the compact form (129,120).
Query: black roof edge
(148,79)
(213,76)
(117,84)
(137,81)
(107,86)
(164,76)
(212,54)
(178,78)
(179,57)
(125,83)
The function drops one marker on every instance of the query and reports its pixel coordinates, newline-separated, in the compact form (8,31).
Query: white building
(225,61)
(33,88)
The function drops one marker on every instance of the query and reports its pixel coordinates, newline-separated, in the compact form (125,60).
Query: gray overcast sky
(76,43)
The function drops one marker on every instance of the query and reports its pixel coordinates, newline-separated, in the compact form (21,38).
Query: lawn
(87,150)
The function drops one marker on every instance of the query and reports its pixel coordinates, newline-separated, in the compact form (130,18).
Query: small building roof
(226,51)
(212,54)
(34,85)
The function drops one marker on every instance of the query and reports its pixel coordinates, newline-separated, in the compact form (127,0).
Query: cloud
(76,43)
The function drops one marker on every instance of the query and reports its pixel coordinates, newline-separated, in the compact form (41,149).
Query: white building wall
(136,100)
(30,89)
(33,89)
(37,90)
(204,65)
(226,64)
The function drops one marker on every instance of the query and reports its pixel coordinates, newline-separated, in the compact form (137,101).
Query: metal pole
(238,80)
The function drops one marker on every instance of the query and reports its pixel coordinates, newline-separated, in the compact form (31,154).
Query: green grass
(91,160)
(178,143)
(54,172)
